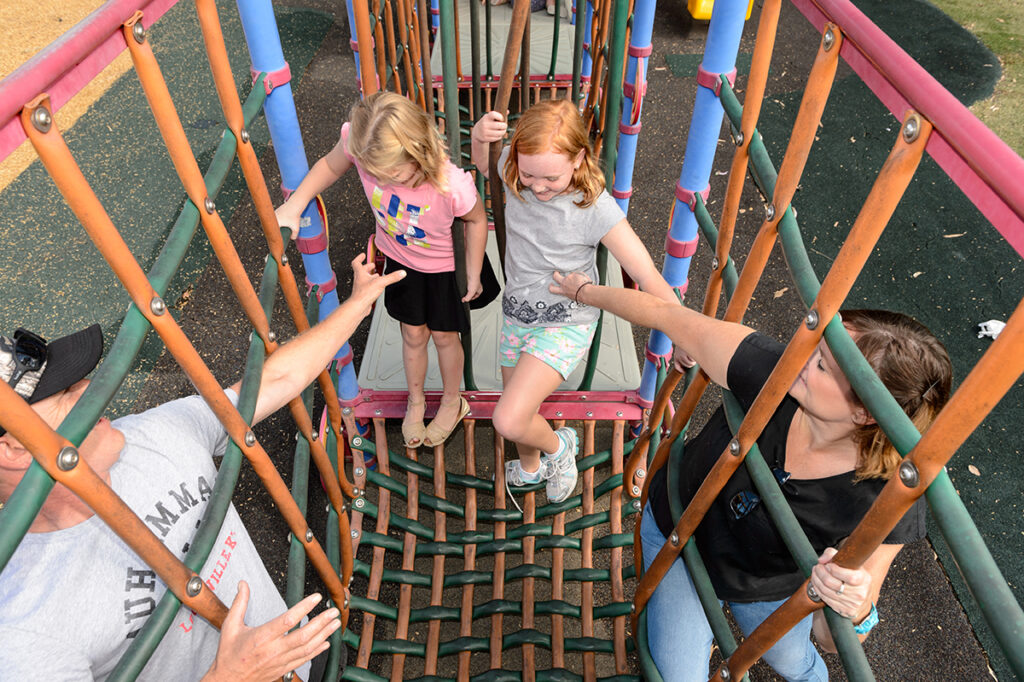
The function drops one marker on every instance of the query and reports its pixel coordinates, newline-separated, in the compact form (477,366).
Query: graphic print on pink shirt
(398,219)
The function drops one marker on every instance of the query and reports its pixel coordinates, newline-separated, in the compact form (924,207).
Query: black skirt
(425,298)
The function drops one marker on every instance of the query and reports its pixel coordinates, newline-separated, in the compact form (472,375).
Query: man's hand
(367,285)
(269,651)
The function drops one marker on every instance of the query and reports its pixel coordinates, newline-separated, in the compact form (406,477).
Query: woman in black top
(829,456)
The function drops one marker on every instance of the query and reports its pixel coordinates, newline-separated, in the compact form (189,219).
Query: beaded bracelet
(870,621)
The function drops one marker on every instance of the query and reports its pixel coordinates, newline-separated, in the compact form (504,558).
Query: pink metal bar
(974,157)
(604,405)
(66,65)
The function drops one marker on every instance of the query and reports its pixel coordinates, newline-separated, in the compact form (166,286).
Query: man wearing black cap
(73,596)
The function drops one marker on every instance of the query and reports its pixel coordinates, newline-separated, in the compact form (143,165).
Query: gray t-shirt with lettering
(545,236)
(73,600)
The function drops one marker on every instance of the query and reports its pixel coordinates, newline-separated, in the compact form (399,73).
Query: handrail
(974,157)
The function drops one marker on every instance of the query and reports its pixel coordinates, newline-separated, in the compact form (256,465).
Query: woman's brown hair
(913,365)
(554,125)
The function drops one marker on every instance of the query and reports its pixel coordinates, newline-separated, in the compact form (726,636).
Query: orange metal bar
(57,159)
(184,161)
(437,577)
(468,551)
(756,81)
(49,449)
(819,83)
(615,564)
(888,188)
(377,567)
(984,387)
(587,558)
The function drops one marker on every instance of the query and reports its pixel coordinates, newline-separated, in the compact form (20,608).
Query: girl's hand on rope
(269,651)
(367,285)
(568,285)
(490,128)
(473,288)
(845,590)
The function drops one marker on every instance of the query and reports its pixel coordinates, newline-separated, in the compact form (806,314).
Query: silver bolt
(714,263)
(769,212)
(41,119)
(157,306)
(194,586)
(829,39)
(139,32)
(250,438)
(244,136)
(618,413)
(357,442)
(725,675)
(314,436)
(354,533)
(640,473)
(284,259)
(912,128)
(67,458)
(636,505)
(360,503)
(558,414)
(271,336)
(909,474)
(356,492)
(812,319)
(583,397)
(632,608)
(209,205)
(309,535)
(589,413)
(328,507)
(346,411)
(359,471)
(636,491)
(378,412)
(345,605)
(812,593)
(289,676)
(734,447)
(739,139)
(674,539)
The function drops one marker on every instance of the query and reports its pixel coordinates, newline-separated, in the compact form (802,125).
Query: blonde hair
(387,130)
(554,125)
(913,365)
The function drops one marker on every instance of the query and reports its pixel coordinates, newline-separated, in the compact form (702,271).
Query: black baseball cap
(40,369)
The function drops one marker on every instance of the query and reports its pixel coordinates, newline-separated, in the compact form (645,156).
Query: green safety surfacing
(58,283)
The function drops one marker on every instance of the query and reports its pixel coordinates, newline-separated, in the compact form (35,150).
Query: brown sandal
(414,432)
(437,434)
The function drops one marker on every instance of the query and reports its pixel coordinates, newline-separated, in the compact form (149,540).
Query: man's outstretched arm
(294,365)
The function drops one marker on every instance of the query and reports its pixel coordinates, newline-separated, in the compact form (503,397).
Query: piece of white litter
(991,329)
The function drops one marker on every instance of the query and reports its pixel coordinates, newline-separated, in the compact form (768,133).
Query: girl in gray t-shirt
(556,214)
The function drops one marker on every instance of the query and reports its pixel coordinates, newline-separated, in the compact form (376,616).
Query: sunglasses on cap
(29,353)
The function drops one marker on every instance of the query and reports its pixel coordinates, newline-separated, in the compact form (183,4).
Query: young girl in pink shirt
(416,193)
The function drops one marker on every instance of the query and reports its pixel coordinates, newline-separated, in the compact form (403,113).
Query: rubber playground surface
(938,260)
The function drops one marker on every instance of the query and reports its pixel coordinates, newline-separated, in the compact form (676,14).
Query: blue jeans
(679,636)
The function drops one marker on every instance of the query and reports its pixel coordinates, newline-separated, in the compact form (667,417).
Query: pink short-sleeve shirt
(414,225)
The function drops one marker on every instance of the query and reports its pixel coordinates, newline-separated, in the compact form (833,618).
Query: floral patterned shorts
(561,348)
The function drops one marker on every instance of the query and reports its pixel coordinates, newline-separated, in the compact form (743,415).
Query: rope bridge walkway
(522,590)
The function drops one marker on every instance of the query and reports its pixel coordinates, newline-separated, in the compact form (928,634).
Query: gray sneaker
(560,467)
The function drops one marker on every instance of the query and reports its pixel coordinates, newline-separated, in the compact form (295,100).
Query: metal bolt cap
(67,458)
(139,32)
(734,447)
(194,586)
(157,306)
(41,119)
(812,319)
(250,438)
